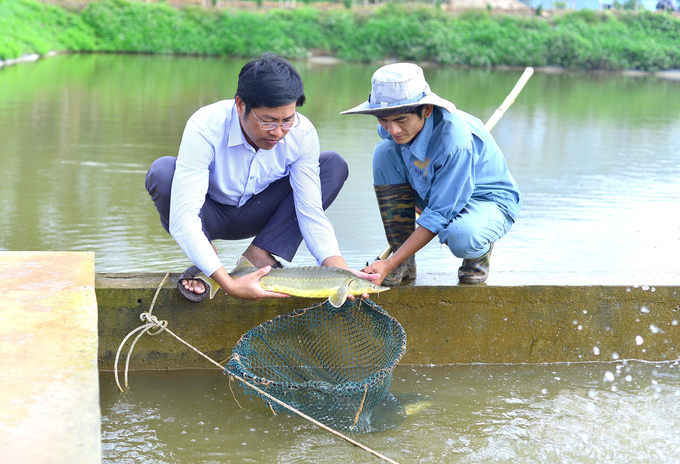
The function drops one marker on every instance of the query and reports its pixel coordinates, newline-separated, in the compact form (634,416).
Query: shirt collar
(236,136)
(422,140)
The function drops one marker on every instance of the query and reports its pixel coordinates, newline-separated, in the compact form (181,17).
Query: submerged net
(333,364)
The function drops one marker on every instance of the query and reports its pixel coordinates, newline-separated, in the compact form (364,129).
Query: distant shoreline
(672,74)
(633,43)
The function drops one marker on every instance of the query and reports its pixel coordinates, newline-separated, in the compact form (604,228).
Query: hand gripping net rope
(333,364)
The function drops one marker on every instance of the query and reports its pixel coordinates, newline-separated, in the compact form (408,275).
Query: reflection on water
(571,413)
(596,156)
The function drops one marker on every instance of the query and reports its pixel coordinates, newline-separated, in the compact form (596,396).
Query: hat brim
(431,99)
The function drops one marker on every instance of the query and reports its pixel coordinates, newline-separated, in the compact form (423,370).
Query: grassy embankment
(580,40)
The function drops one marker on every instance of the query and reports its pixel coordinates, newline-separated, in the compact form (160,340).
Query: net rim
(236,367)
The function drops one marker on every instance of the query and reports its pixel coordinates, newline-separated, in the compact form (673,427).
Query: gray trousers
(268,216)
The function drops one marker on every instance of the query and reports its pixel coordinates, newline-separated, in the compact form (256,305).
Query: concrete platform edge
(49,381)
(539,321)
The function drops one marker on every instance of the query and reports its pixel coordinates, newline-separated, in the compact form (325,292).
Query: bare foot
(197,285)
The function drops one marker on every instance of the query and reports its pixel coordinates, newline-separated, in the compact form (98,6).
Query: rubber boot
(475,270)
(397,204)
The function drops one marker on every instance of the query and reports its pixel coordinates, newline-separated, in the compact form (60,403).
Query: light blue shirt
(451,160)
(215,158)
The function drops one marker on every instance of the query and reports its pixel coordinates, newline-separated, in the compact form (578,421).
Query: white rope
(153,323)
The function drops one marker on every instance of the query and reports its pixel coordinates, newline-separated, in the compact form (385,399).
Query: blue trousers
(268,216)
(471,232)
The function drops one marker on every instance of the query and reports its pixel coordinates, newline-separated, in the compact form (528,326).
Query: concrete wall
(49,381)
(516,318)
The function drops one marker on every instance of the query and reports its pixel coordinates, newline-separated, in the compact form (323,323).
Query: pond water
(571,413)
(597,157)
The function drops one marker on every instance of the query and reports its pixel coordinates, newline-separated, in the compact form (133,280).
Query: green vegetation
(28,27)
(583,39)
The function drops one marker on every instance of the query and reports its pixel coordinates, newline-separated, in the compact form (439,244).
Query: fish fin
(242,263)
(338,298)
(243,267)
(213,286)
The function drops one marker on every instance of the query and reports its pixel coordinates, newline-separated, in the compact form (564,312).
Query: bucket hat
(396,86)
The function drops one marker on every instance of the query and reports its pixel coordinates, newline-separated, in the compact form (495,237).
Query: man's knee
(388,169)
(332,163)
(463,247)
(158,183)
(160,174)
(464,240)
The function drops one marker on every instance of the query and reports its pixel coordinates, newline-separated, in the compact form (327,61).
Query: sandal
(190,274)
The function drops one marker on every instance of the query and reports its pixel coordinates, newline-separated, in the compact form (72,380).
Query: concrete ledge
(516,318)
(49,383)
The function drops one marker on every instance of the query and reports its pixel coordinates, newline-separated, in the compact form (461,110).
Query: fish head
(378,288)
(360,286)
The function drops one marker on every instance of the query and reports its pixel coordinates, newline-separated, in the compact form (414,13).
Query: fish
(307,281)
(415,408)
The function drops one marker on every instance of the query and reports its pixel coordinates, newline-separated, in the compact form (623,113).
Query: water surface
(597,157)
(571,413)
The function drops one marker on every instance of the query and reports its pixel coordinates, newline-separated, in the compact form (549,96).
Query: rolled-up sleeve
(315,227)
(189,188)
(452,186)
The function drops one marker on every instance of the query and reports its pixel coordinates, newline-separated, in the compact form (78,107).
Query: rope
(361,406)
(162,326)
(151,323)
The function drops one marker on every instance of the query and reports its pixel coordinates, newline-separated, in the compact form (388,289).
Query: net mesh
(333,364)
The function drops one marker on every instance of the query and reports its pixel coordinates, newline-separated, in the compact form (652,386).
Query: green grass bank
(578,40)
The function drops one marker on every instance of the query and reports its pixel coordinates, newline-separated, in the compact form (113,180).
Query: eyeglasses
(267,126)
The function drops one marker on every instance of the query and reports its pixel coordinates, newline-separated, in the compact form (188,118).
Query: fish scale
(307,281)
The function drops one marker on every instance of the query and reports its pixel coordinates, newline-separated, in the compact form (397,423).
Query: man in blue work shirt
(441,162)
(249,167)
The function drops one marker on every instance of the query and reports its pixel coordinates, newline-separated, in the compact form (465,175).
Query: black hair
(269,81)
(411,109)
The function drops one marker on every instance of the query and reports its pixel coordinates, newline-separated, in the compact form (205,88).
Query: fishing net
(333,364)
